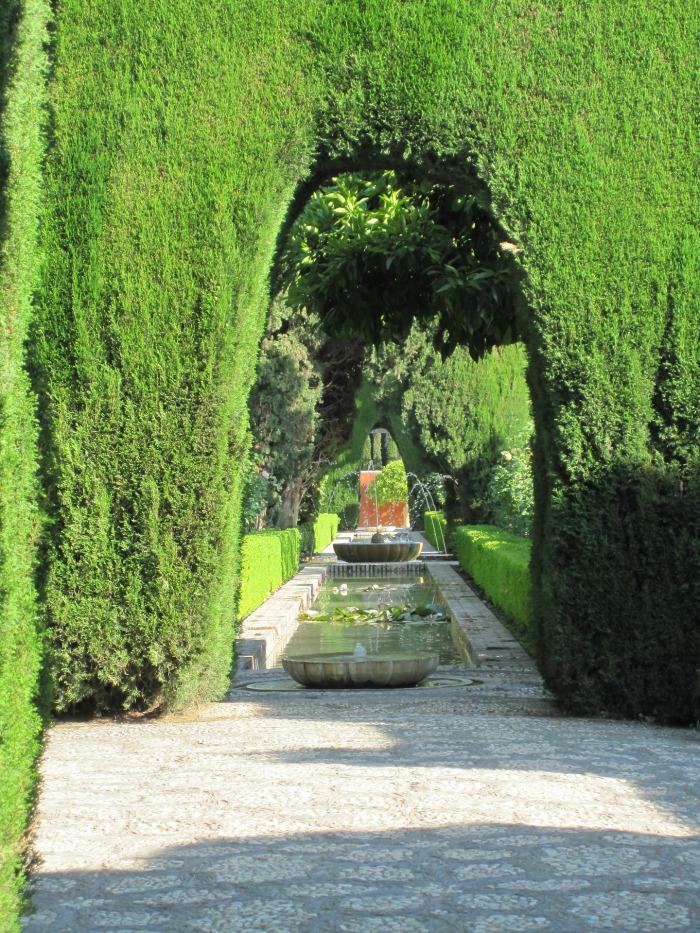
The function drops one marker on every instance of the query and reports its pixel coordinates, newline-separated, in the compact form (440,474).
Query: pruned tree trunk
(288,514)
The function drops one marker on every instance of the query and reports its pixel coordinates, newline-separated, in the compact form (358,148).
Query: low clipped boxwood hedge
(317,535)
(325,530)
(435,529)
(268,559)
(499,562)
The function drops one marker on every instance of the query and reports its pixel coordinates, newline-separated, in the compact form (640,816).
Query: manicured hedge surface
(268,559)
(435,529)
(317,535)
(464,414)
(181,142)
(23,65)
(184,136)
(325,530)
(499,563)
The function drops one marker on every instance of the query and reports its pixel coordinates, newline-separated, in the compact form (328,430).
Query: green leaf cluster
(390,485)
(510,495)
(371,253)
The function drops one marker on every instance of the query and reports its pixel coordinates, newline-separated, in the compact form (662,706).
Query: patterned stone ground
(471,808)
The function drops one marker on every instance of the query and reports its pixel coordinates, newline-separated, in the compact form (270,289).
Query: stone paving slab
(471,807)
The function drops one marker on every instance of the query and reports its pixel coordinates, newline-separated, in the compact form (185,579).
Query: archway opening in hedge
(383,263)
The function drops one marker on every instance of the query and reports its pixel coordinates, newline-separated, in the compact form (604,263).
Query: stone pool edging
(265,633)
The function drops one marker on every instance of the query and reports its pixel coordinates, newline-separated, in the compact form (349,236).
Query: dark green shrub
(630,653)
(498,562)
(306,539)
(350,516)
(268,559)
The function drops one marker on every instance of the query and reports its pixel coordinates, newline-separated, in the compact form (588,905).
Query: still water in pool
(376,636)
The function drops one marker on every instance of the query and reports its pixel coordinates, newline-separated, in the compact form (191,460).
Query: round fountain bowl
(388,552)
(347,670)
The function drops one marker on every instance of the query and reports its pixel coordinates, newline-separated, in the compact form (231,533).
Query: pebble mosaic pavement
(473,808)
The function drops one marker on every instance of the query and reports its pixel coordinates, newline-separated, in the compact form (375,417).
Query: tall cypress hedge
(183,132)
(23,66)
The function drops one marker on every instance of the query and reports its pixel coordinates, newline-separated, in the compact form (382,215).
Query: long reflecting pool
(373,616)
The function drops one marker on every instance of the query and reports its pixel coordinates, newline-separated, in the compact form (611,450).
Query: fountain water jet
(430,503)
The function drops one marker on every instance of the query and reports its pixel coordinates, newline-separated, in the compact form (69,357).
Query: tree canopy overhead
(373,252)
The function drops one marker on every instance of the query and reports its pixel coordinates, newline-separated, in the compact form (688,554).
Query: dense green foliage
(268,559)
(510,499)
(390,485)
(158,240)
(23,66)
(373,251)
(285,415)
(259,485)
(435,529)
(462,413)
(498,562)
(301,405)
(186,141)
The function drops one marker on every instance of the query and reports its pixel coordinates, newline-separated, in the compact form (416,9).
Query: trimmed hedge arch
(180,134)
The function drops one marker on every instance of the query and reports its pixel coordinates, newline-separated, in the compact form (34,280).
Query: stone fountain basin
(367,552)
(347,670)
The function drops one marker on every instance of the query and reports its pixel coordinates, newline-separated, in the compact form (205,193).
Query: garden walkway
(474,807)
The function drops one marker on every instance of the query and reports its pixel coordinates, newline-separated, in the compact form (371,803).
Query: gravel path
(472,806)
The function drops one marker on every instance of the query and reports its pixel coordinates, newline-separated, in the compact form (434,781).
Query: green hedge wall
(182,142)
(317,535)
(435,529)
(463,413)
(159,238)
(23,65)
(268,559)
(325,530)
(499,563)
